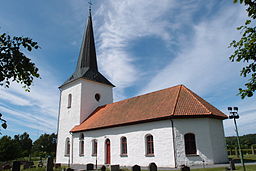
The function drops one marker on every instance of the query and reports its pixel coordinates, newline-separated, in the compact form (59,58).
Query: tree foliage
(3,122)
(9,149)
(245,49)
(45,145)
(14,64)
(24,143)
(246,141)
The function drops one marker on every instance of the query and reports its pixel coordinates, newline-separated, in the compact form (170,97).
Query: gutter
(173,142)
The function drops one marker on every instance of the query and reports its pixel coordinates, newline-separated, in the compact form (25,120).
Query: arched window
(190,143)
(94,147)
(67,147)
(81,144)
(69,100)
(149,145)
(123,146)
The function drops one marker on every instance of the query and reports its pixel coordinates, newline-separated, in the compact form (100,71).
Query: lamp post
(234,115)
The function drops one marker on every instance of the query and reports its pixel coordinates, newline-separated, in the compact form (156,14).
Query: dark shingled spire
(87,62)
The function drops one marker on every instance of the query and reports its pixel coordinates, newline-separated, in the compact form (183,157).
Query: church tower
(81,94)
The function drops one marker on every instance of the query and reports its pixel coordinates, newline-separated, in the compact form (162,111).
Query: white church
(170,127)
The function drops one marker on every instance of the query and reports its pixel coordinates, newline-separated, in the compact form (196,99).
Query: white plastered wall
(89,103)
(210,141)
(218,141)
(83,104)
(135,134)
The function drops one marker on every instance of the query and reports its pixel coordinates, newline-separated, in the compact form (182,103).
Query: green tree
(245,49)
(24,144)
(8,149)
(45,145)
(14,64)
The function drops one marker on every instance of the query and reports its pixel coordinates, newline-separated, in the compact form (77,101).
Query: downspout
(173,142)
(58,122)
(71,147)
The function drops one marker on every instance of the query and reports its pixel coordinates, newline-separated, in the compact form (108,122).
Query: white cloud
(203,63)
(125,21)
(36,109)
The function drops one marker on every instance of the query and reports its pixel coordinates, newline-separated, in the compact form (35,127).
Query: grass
(238,168)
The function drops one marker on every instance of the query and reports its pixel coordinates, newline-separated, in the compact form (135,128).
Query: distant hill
(245,140)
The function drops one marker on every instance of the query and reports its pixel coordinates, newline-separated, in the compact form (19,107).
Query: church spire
(87,67)
(87,57)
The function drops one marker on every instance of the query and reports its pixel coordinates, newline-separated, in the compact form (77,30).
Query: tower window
(69,100)
(190,143)
(97,96)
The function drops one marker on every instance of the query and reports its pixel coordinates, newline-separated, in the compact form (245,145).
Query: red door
(107,151)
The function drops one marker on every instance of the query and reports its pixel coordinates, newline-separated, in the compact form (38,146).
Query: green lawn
(238,168)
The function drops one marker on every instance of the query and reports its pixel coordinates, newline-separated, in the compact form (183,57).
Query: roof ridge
(143,95)
(190,92)
(176,100)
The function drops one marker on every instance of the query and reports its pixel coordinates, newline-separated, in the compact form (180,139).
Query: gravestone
(103,168)
(115,168)
(89,166)
(49,166)
(16,166)
(232,165)
(136,168)
(57,165)
(184,168)
(152,167)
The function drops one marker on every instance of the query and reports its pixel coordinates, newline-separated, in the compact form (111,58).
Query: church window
(149,145)
(69,100)
(123,146)
(97,96)
(67,148)
(190,143)
(81,144)
(94,147)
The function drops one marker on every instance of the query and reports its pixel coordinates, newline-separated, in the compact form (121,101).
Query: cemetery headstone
(103,168)
(232,165)
(184,168)
(115,168)
(16,166)
(152,167)
(89,166)
(49,166)
(136,168)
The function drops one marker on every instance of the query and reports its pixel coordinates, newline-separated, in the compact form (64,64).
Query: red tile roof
(174,102)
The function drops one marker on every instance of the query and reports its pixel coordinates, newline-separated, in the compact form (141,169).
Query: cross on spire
(90,6)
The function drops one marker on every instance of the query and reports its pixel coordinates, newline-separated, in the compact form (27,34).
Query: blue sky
(142,46)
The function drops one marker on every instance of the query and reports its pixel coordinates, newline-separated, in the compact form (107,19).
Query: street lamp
(234,115)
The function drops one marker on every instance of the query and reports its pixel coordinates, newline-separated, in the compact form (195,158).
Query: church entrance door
(107,144)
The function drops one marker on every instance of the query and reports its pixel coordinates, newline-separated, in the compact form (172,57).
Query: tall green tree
(245,49)
(8,149)
(24,144)
(45,145)
(14,64)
